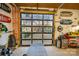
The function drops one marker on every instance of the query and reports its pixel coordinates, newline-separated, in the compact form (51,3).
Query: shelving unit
(37,28)
(74,41)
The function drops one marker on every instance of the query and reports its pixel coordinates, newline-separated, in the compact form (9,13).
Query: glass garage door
(36,28)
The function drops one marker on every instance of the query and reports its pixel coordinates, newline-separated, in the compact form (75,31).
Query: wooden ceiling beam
(50,5)
(40,5)
(71,6)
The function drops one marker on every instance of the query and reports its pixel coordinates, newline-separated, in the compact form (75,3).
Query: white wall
(8,25)
(66,28)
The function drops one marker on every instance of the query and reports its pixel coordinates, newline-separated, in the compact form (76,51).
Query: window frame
(38,26)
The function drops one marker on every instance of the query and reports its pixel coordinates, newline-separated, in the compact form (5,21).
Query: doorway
(37,28)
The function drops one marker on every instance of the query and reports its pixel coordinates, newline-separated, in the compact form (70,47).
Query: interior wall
(57,19)
(66,28)
(16,23)
(8,25)
(14,26)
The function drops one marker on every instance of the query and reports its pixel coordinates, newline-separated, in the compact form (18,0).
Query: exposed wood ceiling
(71,6)
(50,5)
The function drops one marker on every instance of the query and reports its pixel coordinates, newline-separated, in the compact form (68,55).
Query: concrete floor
(51,51)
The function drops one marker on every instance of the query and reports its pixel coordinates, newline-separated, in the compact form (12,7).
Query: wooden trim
(38,11)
